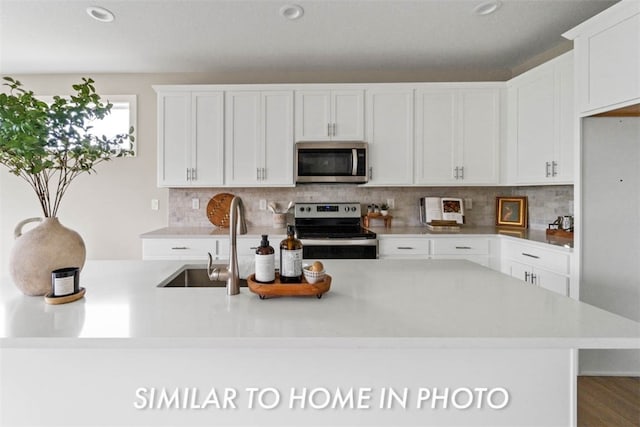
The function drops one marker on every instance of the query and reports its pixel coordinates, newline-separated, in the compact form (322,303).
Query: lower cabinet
(180,248)
(403,247)
(547,268)
(475,249)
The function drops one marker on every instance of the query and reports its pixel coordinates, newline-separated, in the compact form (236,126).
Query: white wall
(610,276)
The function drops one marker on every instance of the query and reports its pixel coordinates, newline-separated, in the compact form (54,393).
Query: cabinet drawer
(537,257)
(177,249)
(410,247)
(461,246)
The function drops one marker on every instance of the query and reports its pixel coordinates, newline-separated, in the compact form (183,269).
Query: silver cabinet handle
(526,276)
(461,172)
(405,247)
(328,129)
(456,169)
(334,129)
(464,247)
(530,256)
(188,174)
(370,172)
(547,174)
(554,168)
(264,173)
(258,174)
(194,177)
(179,248)
(533,278)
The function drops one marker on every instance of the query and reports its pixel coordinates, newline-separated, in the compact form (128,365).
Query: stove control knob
(353,208)
(308,209)
(301,209)
(346,208)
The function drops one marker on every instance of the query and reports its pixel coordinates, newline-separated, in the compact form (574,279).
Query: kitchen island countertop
(398,303)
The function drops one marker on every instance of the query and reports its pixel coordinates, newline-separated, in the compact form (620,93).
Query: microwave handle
(354,161)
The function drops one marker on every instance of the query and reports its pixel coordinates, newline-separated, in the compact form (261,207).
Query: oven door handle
(339,242)
(354,161)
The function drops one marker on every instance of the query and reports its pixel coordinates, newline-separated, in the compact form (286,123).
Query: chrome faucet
(237,225)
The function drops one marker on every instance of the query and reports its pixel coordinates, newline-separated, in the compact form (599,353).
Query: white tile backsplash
(545,202)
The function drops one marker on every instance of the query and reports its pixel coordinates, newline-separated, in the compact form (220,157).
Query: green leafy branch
(49,145)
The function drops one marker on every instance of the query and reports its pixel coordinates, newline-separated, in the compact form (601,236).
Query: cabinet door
(564,151)
(277,123)
(551,281)
(435,137)
(174,135)
(390,136)
(347,110)
(242,143)
(207,154)
(519,271)
(535,120)
(479,137)
(313,115)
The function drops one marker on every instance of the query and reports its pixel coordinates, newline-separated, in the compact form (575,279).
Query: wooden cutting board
(218,209)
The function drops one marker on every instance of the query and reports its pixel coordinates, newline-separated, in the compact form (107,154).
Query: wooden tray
(278,289)
(559,233)
(50,299)
(218,209)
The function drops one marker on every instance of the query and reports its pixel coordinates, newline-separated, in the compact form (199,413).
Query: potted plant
(384,209)
(49,145)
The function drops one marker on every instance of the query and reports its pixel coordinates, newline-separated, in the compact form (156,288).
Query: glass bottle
(265,262)
(291,258)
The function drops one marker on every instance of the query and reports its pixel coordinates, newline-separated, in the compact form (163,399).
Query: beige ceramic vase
(39,251)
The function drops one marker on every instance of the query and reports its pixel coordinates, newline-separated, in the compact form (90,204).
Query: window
(122,117)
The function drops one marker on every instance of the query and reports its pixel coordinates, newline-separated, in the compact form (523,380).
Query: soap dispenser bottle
(265,262)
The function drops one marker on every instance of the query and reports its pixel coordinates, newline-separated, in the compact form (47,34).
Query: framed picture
(511,211)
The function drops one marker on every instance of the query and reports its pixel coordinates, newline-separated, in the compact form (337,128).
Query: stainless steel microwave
(332,161)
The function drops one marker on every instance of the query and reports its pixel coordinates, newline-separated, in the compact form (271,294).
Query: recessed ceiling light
(291,11)
(100,14)
(487,7)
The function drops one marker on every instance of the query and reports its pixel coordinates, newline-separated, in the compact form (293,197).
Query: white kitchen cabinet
(181,248)
(390,136)
(475,249)
(190,139)
(457,136)
(402,247)
(607,54)
(259,138)
(540,132)
(547,268)
(325,115)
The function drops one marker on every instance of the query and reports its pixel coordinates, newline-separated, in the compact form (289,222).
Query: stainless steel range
(334,231)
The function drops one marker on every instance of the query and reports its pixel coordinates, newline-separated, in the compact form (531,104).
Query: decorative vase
(39,251)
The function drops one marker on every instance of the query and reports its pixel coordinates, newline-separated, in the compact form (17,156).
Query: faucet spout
(237,225)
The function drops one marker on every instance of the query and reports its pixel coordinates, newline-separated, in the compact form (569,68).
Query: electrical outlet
(468,203)
(195,203)
(154,204)
(263,204)
(391,203)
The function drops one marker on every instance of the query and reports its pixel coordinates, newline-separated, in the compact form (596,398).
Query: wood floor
(608,401)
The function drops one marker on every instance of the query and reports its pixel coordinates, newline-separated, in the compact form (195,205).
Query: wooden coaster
(50,299)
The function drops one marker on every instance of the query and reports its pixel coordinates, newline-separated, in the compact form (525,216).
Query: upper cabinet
(190,139)
(324,115)
(457,136)
(390,136)
(259,138)
(607,55)
(540,124)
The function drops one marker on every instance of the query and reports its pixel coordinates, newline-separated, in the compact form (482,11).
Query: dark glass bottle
(265,262)
(291,258)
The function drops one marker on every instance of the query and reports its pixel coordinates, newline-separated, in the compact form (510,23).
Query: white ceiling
(56,36)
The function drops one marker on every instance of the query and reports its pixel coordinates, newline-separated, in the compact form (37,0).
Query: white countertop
(372,303)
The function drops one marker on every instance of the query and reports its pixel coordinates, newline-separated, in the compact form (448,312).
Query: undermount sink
(195,277)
